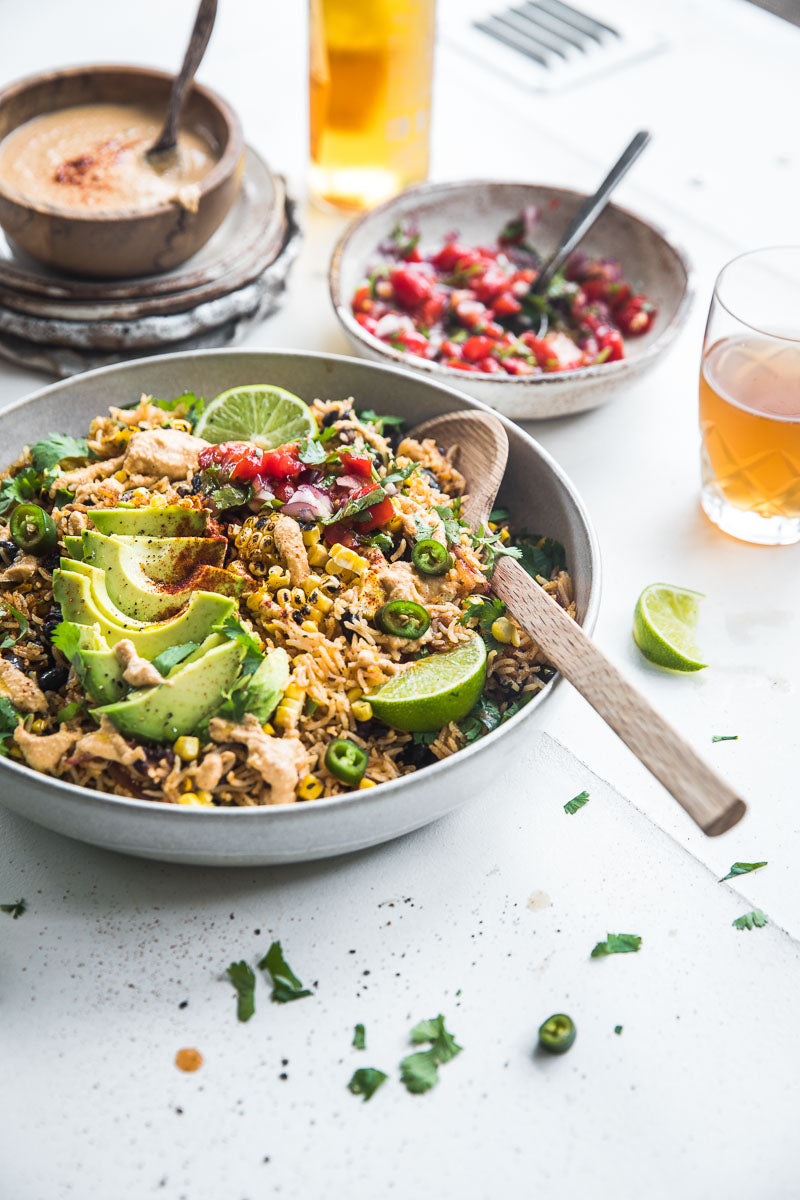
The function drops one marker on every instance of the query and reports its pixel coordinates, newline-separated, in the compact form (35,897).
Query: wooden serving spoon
(710,801)
(164,150)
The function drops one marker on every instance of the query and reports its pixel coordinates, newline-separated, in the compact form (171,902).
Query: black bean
(8,551)
(15,661)
(53,678)
(417,755)
(330,417)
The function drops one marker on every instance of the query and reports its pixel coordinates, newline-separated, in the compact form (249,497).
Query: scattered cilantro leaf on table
(751,920)
(360,1037)
(243,979)
(285,984)
(741,868)
(617,943)
(617,1029)
(725,737)
(14,910)
(576,802)
(420,1072)
(366,1081)
(52,450)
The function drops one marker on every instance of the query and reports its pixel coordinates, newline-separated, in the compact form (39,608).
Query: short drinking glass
(750,398)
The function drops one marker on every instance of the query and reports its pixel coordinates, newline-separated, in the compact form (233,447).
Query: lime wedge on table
(664,623)
(260,413)
(433,690)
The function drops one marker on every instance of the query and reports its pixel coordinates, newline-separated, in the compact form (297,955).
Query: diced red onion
(308,504)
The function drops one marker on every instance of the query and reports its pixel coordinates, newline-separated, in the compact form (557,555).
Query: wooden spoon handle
(706,797)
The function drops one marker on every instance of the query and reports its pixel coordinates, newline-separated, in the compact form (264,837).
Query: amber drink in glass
(750,399)
(370,74)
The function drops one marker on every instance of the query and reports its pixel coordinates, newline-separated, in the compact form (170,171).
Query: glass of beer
(370,75)
(750,399)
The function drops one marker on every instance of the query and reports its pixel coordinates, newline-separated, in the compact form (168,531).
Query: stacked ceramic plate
(61,324)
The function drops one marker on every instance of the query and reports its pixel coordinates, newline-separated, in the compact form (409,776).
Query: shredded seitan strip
(289,544)
(138,671)
(106,743)
(281,762)
(22,568)
(210,771)
(79,479)
(23,693)
(163,452)
(428,454)
(45,752)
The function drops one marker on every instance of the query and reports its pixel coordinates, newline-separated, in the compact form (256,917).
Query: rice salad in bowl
(253,602)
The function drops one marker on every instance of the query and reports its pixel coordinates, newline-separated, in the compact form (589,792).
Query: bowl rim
(347,800)
(434,370)
(219,173)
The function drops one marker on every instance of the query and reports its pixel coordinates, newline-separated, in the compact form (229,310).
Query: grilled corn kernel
(310,536)
(15,752)
(504,534)
(309,583)
(309,788)
(196,799)
(354,693)
(186,785)
(284,597)
(120,475)
(317,555)
(277,578)
(38,726)
(347,559)
(361,710)
(293,692)
(268,729)
(333,568)
(365,783)
(179,423)
(492,525)
(309,627)
(323,604)
(505,631)
(298,597)
(395,523)
(254,601)
(288,714)
(186,748)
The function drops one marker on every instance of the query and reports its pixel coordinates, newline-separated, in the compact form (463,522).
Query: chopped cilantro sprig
(420,1072)
(285,984)
(617,943)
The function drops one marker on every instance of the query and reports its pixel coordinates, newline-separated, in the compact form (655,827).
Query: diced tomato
(476,347)
(282,463)
(357,464)
(410,288)
(491,284)
(610,340)
(283,490)
(636,316)
(450,349)
(366,322)
(459,365)
(341,533)
(449,255)
(563,351)
(470,313)
(506,305)
(432,309)
(376,515)
(540,348)
(362,300)
(490,365)
(411,342)
(518,366)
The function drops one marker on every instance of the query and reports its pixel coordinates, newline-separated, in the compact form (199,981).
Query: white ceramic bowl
(478,210)
(535,489)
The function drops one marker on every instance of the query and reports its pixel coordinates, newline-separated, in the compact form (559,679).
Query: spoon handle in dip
(203,24)
(590,210)
(706,797)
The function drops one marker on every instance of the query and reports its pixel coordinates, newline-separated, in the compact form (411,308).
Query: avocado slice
(74,591)
(133,592)
(102,675)
(164,559)
(176,707)
(170,521)
(74,546)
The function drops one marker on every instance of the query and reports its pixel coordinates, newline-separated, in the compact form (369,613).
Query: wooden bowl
(120,244)
(478,209)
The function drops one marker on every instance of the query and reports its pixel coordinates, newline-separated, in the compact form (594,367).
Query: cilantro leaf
(366,1081)
(22,621)
(311,452)
(490,542)
(423,739)
(244,980)
(173,655)
(188,406)
(370,417)
(9,719)
(67,637)
(424,531)
(499,514)
(618,1029)
(14,910)
(617,943)
(69,711)
(576,802)
(63,497)
(356,505)
(231,495)
(54,449)
(453,525)
(751,920)
(481,719)
(540,555)
(20,488)
(233,628)
(360,1037)
(285,984)
(399,475)
(725,737)
(739,868)
(485,610)
(420,1072)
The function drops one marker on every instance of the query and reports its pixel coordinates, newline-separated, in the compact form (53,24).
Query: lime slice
(664,623)
(262,414)
(433,690)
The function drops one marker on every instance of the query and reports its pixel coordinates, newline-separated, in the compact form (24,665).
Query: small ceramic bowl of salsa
(76,192)
(441,279)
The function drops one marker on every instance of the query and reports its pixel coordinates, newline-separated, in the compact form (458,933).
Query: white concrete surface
(695,1097)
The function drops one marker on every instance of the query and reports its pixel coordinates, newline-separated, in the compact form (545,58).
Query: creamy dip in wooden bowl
(90,158)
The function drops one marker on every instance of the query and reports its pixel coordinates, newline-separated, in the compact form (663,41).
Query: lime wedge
(262,414)
(664,623)
(433,690)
